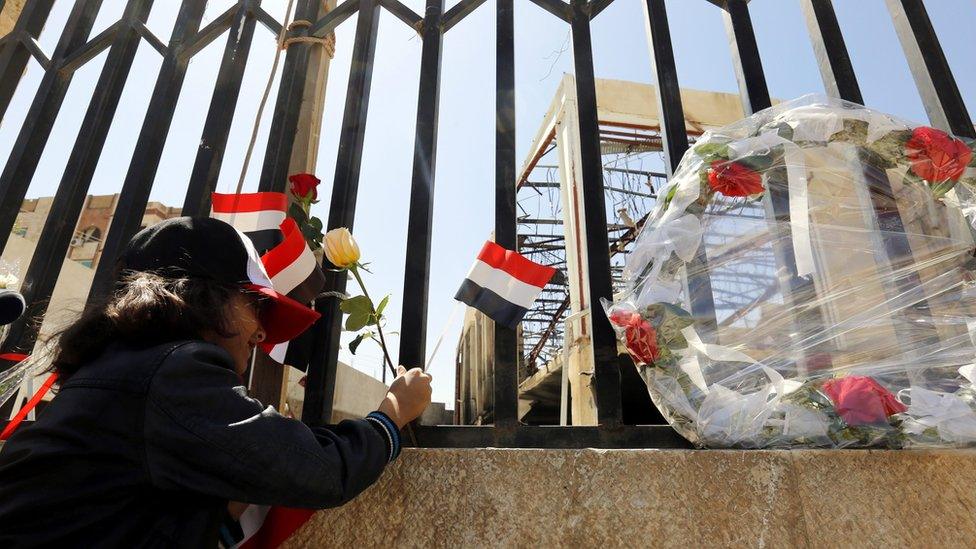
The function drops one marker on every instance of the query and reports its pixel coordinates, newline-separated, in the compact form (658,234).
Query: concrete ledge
(660,498)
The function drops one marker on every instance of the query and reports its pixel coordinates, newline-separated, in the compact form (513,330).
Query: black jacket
(143,448)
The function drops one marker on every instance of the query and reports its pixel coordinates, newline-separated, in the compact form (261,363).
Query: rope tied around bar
(329,42)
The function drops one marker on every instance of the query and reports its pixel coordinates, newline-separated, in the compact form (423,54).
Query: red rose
(734,179)
(937,156)
(304,183)
(641,336)
(861,400)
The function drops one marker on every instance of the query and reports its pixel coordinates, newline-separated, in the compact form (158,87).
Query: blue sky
(464,196)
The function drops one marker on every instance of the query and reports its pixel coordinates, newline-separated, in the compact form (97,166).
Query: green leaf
(357,321)
(855,131)
(360,312)
(354,344)
(315,223)
(669,320)
(382,306)
(356,305)
(710,152)
(670,196)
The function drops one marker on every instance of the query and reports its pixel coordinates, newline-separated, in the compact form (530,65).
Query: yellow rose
(341,248)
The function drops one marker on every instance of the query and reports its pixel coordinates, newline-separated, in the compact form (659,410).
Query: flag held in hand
(503,284)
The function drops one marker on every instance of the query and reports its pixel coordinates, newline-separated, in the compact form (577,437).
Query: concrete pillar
(9,14)
(305,152)
(269,378)
(580,363)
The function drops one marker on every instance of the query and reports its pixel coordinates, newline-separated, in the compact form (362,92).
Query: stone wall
(674,498)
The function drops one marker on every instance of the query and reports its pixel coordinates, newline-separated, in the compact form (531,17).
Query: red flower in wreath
(641,336)
(861,400)
(734,179)
(303,184)
(937,156)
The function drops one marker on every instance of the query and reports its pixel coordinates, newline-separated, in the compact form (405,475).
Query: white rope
(264,98)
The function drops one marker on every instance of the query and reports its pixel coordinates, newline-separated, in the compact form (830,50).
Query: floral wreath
(840,411)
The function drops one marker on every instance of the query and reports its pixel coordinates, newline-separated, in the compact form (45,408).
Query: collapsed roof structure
(554,333)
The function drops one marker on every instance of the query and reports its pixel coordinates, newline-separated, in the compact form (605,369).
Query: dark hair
(145,309)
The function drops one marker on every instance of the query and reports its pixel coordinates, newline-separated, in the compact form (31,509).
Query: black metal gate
(939,92)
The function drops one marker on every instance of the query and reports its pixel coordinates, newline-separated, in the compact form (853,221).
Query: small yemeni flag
(257,215)
(503,284)
(288,260)
(295,273)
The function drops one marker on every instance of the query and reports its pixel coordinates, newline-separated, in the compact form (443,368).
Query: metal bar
(526,436)
(334,18)
(898,251)
(927,61)
(220,117)
(597,6)
(59,227)
(674,138)
(137,184)
(752,83)
(90,50)
(505,368)
(13,58)
(43,112)
(151,38)
(416,276)
(288,106)
(831,51)
(403,13)
(460,10)
(320,383)
(745,57)
(35,50)
(558,8)
(269,21)
(598,284)
(211,32)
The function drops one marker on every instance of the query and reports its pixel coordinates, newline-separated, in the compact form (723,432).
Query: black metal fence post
(14,55)
(832,56)
(927,61)
(36,130)
(745,57)
(137,186)
(320,383)
(505,368)
(599,284)
(223,104)
(59,227)
(416,276)
(674,136)
(755,96)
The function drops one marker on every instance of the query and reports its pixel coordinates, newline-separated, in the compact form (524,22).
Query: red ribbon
(12,426)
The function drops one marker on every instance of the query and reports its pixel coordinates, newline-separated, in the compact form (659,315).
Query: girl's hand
(408,397)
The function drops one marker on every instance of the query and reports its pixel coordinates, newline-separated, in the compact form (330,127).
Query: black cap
(201,247)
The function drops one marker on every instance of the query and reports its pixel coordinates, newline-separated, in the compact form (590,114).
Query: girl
(152,433)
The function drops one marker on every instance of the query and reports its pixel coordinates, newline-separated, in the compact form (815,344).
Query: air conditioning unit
(77,241)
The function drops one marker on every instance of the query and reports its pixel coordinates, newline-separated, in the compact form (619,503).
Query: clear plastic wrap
(806,279)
